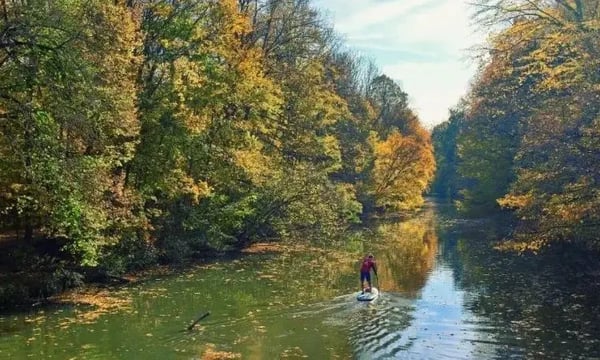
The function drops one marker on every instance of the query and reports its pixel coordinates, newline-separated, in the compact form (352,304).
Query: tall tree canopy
(68,118)
(137,129)
(529,139)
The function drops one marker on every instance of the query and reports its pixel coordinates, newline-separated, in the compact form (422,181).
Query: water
(445,295)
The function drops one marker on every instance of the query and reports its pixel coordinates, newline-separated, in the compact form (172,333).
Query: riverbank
(445,293)
(49,280)
(53,284)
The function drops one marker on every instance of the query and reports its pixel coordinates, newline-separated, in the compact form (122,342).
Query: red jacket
(367,265)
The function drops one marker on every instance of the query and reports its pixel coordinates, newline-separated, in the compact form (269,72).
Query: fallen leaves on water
(263,248)
(294,352)
(261,329)
(154,292)
(266,276)
(212,354)
(101,300)
(36,319)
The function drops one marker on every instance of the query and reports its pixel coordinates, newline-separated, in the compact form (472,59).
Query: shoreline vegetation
(525,138)
(139,134)
(102,296)
(142,134)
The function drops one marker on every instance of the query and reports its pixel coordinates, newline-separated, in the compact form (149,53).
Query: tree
(404,166)
(64,132)
(444,138)
(391,104)
(552,48)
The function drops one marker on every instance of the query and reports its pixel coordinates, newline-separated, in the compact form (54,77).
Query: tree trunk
(4,10)
(28,235)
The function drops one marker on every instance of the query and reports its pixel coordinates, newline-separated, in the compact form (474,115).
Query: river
(446,294)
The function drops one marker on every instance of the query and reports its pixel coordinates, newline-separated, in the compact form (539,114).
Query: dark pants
(365,276)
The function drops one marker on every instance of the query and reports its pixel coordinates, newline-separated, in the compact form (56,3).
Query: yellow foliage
(404,166)
(220,74)
(331,147)
(179,183)
(515,201)
(258,166)
(532,244)
(161,9)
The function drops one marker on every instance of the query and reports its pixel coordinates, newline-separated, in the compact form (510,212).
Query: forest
(525,140)
(136,133)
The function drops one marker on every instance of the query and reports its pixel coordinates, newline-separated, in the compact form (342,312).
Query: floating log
(198,320)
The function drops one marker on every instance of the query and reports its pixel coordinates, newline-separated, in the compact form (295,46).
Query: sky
(422,44)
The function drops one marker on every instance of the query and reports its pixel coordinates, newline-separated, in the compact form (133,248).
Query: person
(368,263)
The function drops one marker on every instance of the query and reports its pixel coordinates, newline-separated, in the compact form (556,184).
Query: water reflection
(434,325)
(536,306)
(421,314)
(406,254)
(446,294)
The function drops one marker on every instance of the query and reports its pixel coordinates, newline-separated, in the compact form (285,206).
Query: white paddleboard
(368,296)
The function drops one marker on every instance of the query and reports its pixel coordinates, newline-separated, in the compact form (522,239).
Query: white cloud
(432,87)
(369,13)
(397,32)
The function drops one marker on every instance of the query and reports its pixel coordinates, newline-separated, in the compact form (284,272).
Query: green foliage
(136,132)
(444,138)
(528,138)
(64,131)
(391,104)
(131,253)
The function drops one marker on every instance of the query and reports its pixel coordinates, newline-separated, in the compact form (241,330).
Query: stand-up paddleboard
(368,296)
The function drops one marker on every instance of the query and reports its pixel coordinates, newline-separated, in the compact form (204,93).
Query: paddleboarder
(368,263)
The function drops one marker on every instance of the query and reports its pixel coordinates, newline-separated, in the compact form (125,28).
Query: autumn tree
(555,194)
(67,114)
(445,145)
(403,163)
(527,141)
(205,110)
(351,76)
(132,129)
(296,43)
(404,166)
